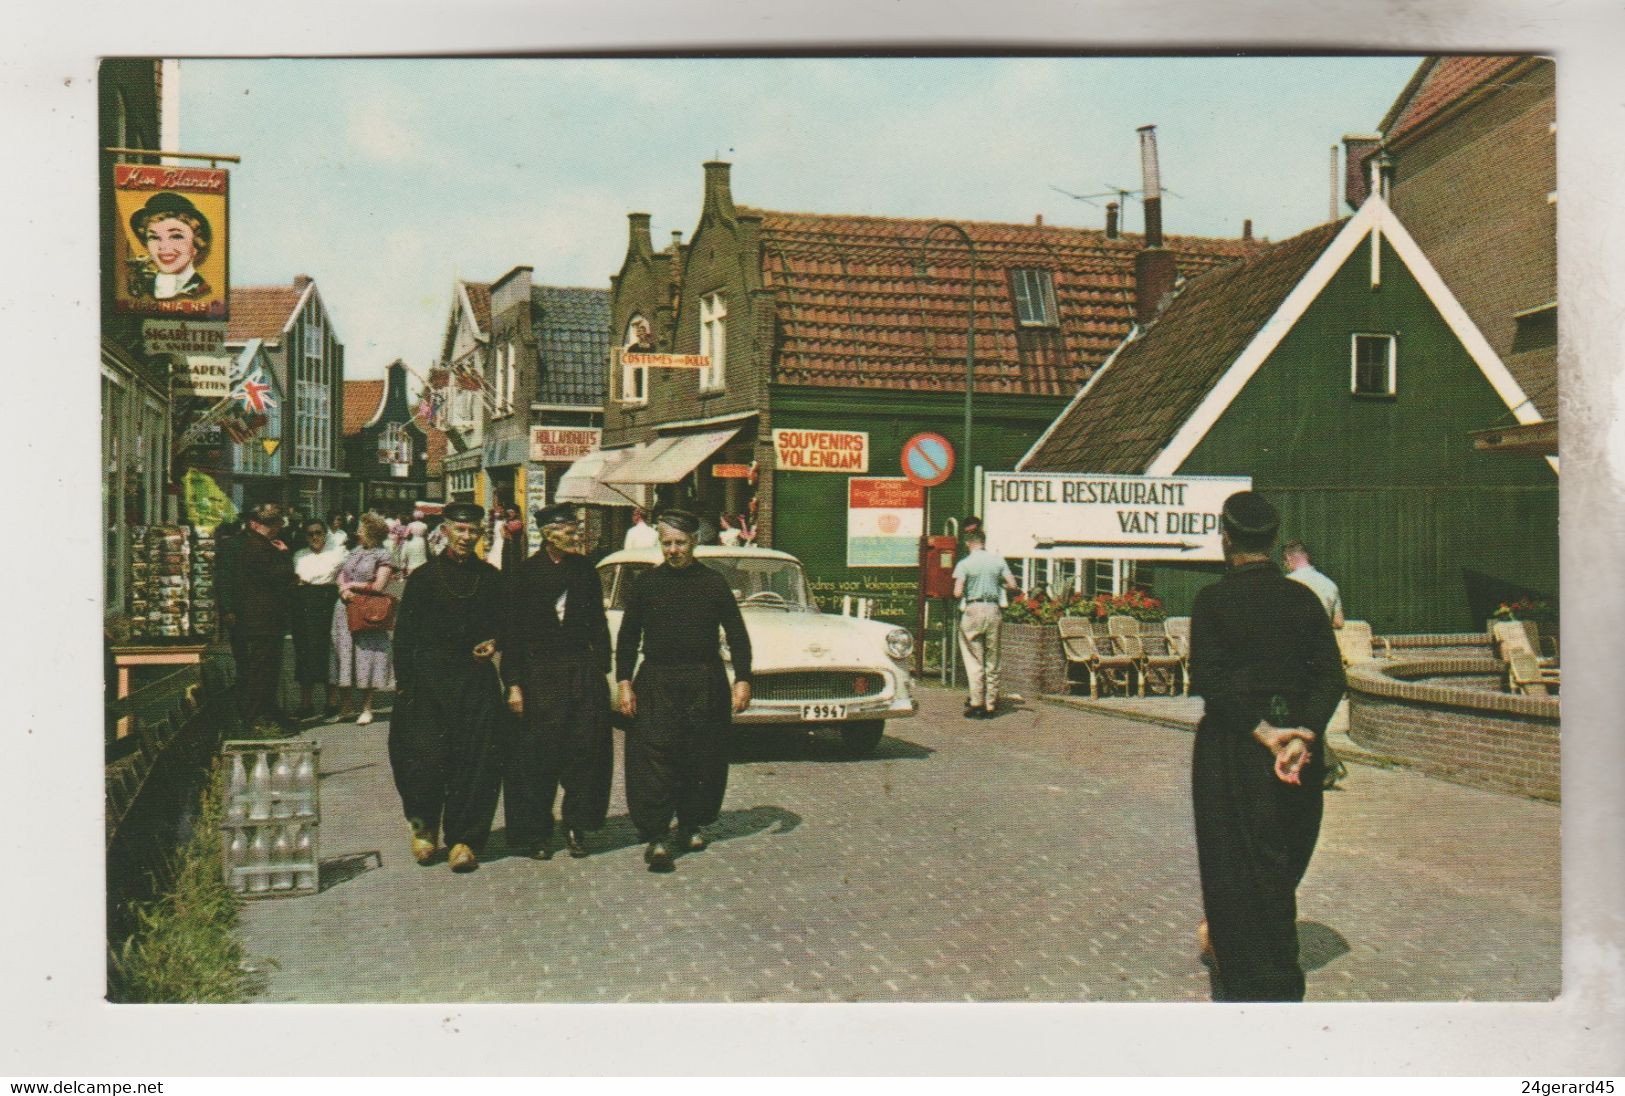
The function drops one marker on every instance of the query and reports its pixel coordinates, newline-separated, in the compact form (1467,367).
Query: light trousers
(979,647)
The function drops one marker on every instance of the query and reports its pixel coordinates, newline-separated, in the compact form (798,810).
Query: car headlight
(900,644)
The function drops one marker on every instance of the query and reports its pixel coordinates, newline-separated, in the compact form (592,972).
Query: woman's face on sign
(171,243)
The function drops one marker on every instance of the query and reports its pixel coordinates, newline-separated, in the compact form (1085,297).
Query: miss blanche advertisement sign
(170,245)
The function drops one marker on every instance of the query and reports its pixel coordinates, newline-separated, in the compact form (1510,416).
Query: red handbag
(370,611)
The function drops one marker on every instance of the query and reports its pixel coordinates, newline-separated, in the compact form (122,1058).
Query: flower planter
(1031,661)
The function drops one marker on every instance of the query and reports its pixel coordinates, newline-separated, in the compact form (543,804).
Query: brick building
(1471,160)
(545,385)
(815,323)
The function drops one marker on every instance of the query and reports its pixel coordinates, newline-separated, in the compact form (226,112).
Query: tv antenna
(1122,194)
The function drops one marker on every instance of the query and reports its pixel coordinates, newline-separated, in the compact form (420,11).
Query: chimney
(1111,220)
(1154,267)
(676,239)
(719,197)
(1357,151)
(1038,220)
(638,233)
(1247,229)
(1150,186)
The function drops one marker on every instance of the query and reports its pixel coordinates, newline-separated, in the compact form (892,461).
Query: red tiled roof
(479,297)
(853,311)
(1439,82)
(261,311)
(1157,381)
(361,400)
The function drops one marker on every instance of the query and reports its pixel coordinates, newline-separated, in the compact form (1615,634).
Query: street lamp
(970,343)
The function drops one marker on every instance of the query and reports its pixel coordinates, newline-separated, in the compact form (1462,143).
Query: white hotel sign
(1033,515)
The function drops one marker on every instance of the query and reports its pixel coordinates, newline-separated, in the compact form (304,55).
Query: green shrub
(185,948)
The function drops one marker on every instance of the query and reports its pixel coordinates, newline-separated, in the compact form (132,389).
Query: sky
(386,180)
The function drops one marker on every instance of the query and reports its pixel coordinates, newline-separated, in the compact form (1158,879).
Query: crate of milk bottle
(272,818)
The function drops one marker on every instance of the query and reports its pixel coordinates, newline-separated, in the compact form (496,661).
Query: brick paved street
(1045,856)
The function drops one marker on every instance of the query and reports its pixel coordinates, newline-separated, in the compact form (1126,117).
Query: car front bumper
(857,711)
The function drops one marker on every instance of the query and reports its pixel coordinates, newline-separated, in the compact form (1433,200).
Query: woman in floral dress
(362,661)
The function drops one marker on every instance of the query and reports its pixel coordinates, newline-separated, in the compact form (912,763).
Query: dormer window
(635,378)
(1034,294)
(1375,365)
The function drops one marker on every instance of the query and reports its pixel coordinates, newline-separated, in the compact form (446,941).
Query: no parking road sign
(928,459)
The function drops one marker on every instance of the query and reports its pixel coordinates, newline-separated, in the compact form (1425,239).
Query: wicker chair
(1357,644)
(1078,644)
(1525,673)
(1178,631)
(1162,668)
(1118,663)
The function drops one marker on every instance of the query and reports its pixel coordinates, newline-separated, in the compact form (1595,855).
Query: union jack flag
(255,393)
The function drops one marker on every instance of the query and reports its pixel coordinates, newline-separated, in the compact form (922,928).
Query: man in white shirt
(980,580)
(1300,569)
(642,534)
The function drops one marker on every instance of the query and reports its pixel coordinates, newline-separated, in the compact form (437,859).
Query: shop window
(1375,365)
(713,341)
(1034,294)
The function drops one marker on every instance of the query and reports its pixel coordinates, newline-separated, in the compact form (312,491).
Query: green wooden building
(1340,373)
(818,324)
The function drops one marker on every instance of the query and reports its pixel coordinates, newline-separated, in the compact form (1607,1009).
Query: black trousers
(562,741)
(259,670)
(1254,838)
(445,748)
(677,750)
(313,633)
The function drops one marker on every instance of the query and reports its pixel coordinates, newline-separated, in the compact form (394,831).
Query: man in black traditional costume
(555,658)
(1265,662)
(677,749)
(256,597)
(446,737)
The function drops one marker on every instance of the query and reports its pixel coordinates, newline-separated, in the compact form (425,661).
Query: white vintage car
(807,668)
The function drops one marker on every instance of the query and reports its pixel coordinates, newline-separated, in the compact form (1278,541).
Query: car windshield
(758,582)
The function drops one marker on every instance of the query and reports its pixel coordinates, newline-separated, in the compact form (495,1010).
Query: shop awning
(670,459)
(583,481)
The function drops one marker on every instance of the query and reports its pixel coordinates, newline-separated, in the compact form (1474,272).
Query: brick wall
(1031,661)
(1499,741)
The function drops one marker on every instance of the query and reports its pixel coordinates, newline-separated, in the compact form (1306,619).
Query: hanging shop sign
(563,443)
(1080,516)
(205,375)
(885,519)
(732,471)
(170,241)
(650,359)
(206,504)
(183,336)
(821,450)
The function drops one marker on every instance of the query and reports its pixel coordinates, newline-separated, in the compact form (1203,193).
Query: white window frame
(714,341)
(508,380)
(634,378)
(1392,388)
(1023,284)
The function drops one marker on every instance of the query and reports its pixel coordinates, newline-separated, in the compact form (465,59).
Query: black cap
(680,520)
(557,514)
(166,203)
(1249,515)
(463,511)
(971,521)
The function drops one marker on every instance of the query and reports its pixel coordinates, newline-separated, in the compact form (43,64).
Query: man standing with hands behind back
(1266,665)
(677,749)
